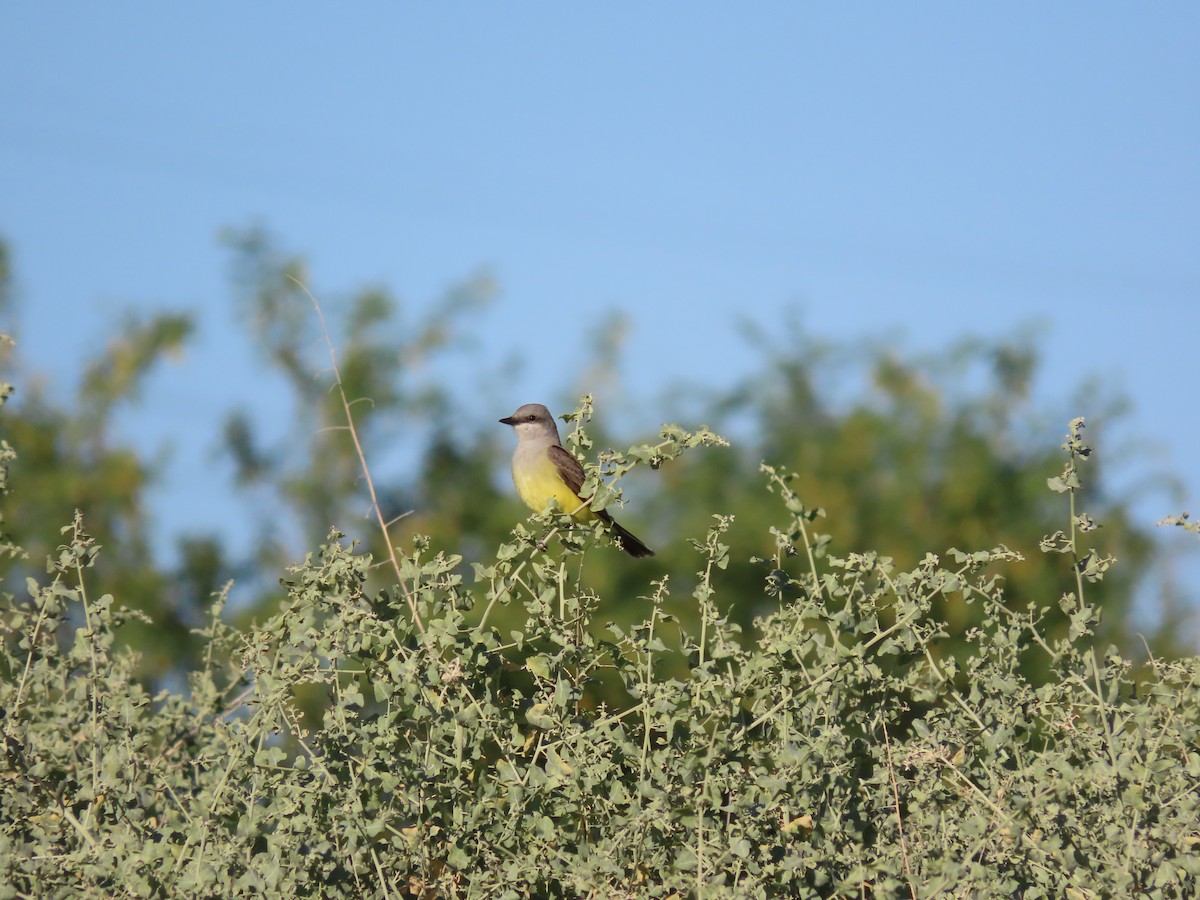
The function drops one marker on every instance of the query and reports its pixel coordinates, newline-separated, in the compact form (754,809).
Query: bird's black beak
(508,420)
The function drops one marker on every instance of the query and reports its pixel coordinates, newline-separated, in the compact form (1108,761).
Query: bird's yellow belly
(538,484)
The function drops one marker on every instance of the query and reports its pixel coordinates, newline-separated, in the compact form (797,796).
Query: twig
(362,458)
(887,745)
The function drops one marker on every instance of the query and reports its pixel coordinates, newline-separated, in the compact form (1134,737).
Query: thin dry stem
(887,745)
(362,458)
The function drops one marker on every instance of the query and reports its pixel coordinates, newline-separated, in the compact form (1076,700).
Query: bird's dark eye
(531,418)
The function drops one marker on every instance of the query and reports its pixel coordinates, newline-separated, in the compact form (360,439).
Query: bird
(543,470)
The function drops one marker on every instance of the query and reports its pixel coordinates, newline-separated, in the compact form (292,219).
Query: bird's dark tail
(629,543)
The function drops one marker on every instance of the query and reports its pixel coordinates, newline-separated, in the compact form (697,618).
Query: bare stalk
(362,458)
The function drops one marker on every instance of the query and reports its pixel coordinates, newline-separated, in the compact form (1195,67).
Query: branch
(362,459)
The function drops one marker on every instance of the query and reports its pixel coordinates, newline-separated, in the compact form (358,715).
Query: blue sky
(919,170)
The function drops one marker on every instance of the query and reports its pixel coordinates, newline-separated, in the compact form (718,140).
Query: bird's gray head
(532,421)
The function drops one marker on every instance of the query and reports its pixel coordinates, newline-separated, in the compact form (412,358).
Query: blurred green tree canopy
(904,454)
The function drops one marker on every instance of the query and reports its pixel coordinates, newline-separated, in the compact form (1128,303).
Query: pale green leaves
(851,745)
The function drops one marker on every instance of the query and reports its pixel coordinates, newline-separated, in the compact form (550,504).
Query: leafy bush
(396,743)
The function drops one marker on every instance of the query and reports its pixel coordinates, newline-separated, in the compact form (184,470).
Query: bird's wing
(568,467)
(572,475)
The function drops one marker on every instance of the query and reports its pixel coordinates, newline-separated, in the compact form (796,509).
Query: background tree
(311,478)
(69,457)
(903,453)
(907,454)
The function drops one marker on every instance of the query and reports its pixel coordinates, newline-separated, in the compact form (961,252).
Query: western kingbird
(542,470)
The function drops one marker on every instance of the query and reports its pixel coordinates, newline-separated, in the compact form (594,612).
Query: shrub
(396,743)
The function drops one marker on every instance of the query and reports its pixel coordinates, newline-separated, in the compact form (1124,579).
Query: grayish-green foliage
(842,752)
